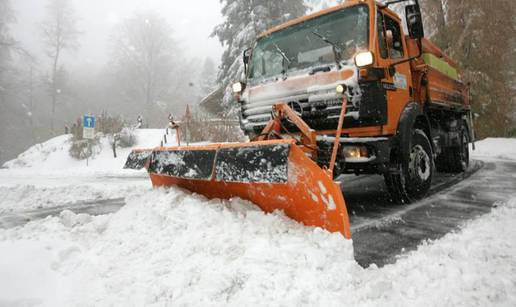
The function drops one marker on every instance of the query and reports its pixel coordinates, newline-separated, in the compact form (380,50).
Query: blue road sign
(89,121)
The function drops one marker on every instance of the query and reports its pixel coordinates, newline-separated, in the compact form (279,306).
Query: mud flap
(274,175)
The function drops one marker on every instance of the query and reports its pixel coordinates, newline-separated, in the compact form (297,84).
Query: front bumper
(378,159)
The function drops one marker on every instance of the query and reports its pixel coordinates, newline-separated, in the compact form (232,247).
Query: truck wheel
(455,159)
(412,179)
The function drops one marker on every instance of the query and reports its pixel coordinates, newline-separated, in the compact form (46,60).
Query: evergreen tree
(244,21)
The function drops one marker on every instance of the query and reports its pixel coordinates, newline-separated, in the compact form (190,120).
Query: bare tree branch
(145,58)
(59,34)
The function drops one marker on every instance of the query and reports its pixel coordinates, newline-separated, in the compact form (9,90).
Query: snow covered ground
(46,176)
(53,155)
(168,247)
(495,149)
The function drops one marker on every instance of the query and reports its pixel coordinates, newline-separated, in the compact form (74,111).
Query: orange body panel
(310,196)
(445,91)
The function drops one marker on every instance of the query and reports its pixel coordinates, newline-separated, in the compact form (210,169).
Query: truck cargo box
(445,86)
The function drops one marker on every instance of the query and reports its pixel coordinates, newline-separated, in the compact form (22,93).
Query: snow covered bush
(203,129)
(83,149)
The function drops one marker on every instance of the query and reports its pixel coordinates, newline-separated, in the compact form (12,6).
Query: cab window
(381,36)
(390,38)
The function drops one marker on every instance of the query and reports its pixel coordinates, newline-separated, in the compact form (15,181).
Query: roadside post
(88,132)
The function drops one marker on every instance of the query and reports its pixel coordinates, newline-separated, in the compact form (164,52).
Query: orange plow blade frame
(306,193)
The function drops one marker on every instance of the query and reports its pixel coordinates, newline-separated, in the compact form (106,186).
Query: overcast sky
(193,22)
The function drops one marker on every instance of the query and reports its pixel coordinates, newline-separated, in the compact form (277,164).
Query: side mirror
(246,58)
(414,21)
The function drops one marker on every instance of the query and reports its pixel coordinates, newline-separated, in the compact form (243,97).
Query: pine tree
(244,21)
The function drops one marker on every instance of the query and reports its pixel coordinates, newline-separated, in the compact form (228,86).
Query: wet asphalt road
(94,207)
(382,231)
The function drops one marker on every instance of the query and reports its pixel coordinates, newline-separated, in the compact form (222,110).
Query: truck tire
(455,159)
(410,180)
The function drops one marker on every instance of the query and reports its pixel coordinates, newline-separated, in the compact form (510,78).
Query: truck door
(397,80)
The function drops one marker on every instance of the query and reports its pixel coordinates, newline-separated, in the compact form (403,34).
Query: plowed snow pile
(171,248)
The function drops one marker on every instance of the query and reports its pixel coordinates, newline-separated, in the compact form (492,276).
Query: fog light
(341,88)
(355,152)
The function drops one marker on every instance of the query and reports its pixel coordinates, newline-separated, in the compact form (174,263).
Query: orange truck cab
(407,111)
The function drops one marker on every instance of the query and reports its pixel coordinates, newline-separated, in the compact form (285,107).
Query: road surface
(382,232)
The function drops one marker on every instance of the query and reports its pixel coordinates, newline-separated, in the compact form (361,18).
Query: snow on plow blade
(275,175)
(138,159)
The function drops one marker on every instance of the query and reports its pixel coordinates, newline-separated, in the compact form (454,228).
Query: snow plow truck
(341,91)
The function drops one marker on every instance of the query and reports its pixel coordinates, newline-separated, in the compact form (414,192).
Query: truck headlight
(238,87)
(364,59)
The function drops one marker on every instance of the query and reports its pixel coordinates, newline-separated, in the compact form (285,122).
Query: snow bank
(495,149)
(473,267)
(29,197)
(171,248)
(39,153)
(168,247)
(53,154)
(46,176)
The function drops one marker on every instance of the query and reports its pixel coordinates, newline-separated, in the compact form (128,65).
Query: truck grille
(257,114)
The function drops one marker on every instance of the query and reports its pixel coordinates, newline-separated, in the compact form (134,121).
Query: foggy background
(103,65)
(192,22)
(90,82)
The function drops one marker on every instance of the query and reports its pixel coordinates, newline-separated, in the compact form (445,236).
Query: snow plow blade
(138,159)
(274,174)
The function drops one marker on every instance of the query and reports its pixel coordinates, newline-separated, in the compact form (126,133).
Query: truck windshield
(312,44)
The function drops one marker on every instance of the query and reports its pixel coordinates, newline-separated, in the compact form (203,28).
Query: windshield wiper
(285,58)
(319,69)
(335,48)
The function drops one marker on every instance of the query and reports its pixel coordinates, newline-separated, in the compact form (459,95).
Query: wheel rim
(419,164)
